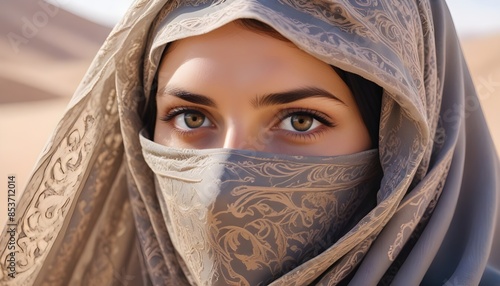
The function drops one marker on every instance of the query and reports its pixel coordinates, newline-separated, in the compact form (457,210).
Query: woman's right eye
(191,119)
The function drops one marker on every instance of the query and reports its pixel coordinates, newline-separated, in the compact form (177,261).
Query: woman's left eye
(299,123)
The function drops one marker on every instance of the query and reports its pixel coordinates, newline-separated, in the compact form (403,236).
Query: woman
(109,203)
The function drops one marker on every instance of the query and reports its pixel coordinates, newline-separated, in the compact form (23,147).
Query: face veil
(243,217)
(90,214)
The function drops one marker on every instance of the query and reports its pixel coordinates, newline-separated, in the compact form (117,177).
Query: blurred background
(46,47)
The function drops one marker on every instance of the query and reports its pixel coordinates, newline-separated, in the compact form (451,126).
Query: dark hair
(149,117)
(368,97)
(367,94)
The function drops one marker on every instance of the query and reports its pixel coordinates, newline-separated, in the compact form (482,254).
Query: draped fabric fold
(91,215)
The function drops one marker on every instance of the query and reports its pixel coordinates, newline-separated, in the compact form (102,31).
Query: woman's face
(241,89)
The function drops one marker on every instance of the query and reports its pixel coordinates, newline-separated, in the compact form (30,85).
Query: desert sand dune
(44,50)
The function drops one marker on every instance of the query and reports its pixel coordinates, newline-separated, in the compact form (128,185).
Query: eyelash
(282,115)
(180,110)
(321,117)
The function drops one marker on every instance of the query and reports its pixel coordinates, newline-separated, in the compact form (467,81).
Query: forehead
(231,45)
(237,54)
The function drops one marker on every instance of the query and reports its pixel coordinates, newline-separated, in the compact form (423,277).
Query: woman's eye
(191,120)
(299,123)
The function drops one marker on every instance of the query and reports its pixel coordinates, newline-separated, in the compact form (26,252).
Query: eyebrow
(188,96)
(293,95)
(260,101)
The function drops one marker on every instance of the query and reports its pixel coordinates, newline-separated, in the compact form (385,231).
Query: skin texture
(241,89)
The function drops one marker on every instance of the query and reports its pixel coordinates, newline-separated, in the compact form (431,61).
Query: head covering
(90,214)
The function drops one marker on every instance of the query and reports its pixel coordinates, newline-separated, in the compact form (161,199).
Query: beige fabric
(90,214)
(243,217)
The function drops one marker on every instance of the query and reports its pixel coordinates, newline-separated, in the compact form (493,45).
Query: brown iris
(194,119)
(301,122)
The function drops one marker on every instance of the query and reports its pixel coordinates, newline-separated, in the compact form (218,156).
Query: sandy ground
(37,80)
